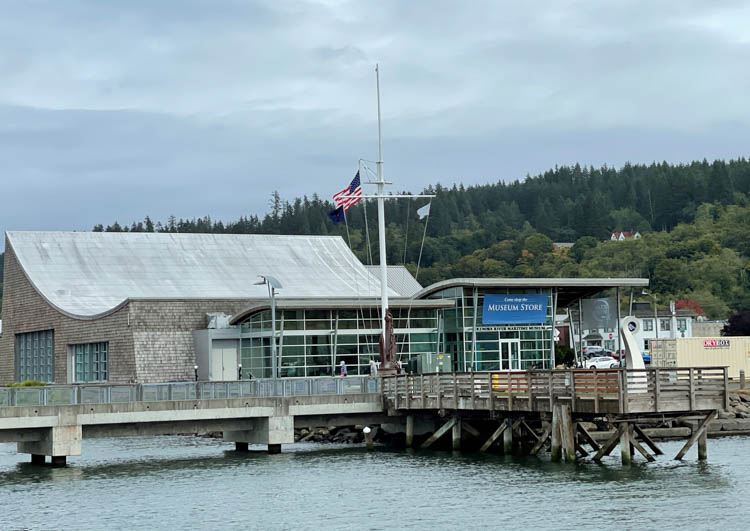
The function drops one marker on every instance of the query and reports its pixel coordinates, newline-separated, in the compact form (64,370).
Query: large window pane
(91,362)
(35,356)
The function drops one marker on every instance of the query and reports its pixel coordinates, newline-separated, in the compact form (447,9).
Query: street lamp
(656,315)
(273,284)
(239,371)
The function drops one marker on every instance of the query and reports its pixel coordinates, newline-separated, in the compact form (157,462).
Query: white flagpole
(381,222)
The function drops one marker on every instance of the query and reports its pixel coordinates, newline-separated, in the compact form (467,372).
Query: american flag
(353,194)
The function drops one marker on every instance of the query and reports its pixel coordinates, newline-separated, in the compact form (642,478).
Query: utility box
(430,362)
(217,354)
(729,351)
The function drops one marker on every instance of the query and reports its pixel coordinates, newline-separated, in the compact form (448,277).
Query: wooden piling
(439,433)
(508,440)
(556,448)
(567,433)
(456,434)
(625,450)
(409,431)
(495,436)
(703,446)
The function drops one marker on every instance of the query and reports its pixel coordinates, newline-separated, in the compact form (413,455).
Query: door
(510,358)
(224,360)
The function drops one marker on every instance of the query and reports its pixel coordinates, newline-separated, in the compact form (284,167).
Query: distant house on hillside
(562,245)
(625,235)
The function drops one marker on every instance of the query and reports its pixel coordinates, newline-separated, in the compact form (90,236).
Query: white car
(602,362)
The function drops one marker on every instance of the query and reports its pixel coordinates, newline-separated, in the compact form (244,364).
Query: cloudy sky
(118,110)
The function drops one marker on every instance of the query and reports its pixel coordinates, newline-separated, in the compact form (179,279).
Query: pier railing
(618,391)
(63,395)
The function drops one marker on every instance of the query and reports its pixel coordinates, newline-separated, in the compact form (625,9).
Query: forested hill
(693,219)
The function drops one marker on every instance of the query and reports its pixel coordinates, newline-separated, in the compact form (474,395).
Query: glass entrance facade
(313,342)
(495,346)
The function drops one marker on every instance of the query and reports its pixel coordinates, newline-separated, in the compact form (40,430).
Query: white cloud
(109,95)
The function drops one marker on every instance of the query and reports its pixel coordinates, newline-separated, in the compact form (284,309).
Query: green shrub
(28,383)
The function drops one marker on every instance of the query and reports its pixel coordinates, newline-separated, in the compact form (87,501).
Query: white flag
(424,211)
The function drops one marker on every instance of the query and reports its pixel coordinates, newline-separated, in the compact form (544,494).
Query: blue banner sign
(515,309)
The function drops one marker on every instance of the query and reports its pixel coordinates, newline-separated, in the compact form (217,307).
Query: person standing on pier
(373,368)
(343,368)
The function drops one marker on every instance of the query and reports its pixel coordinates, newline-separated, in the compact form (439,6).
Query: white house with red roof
(625,235)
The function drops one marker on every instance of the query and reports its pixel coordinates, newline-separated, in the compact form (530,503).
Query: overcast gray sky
(118,110)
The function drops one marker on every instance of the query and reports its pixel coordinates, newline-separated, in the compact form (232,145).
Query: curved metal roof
(568,289)
(89,274)
(399,279)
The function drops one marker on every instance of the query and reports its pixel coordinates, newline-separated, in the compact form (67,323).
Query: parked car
(592,350)
(602,362)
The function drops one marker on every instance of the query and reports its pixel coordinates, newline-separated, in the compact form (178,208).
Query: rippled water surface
(192,483)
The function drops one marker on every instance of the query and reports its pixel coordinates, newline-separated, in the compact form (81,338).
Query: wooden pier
(548,406)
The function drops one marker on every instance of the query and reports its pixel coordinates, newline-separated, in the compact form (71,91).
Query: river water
(196,483)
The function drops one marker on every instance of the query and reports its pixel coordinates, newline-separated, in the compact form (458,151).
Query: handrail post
(572,390)
(491,392)
(657,389)
(692,389)
(471,387)
(395,394)
(529,381)
(510,390)
(409,389)
(726,389)
(551,384)
(455,390)
(436,378)
(596,391)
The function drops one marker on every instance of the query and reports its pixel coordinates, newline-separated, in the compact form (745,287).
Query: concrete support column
(273,431)
(456,432)
(241,447)
(58,441)
(627,457)
(409,431)
(58,460)
(37,459)
(703,445)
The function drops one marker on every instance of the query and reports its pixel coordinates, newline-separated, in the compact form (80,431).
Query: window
(665,324)
(645,344)
(91,362)
(682,324)
(35,356)
(648,325)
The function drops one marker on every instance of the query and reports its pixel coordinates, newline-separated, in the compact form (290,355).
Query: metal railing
(66,395)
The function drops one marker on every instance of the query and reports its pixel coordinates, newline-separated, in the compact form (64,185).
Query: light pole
(656,315)
(273,284)
(239,371)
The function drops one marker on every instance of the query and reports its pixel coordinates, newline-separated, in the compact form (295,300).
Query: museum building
(155,307)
